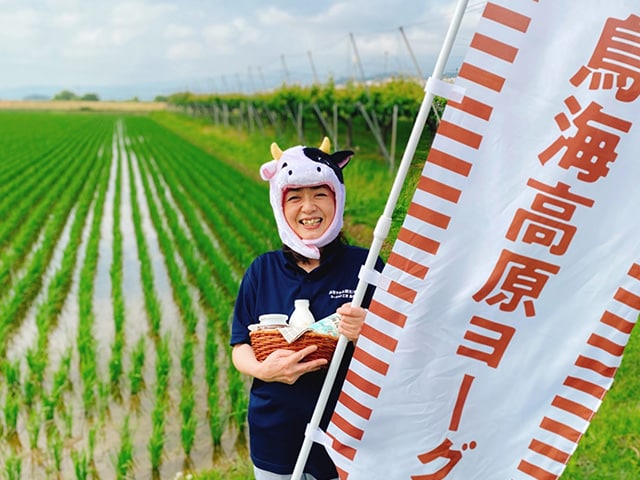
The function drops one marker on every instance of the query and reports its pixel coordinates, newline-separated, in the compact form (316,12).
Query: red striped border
(388,314)
(609,323)
(482,77)
(362,384)
(426,244)
(472,107)
(429,216)
(506,17)
(408,266)
(459,134)
(494,47)
(449,162)
(439,189)
(449,193)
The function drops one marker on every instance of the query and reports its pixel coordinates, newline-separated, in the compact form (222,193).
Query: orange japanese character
(615,60)
(492,347)
(592,148)
(541,230)
(443,450)
(546,222)
(523,277)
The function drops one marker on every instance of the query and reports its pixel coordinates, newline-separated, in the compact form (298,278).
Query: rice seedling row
(180,287)
(219,190)
(152,304)
(230,212)
(68,418)
(30,399)
(22,224)
(46,316)
(210,286)
(59,287)
(216,329)
(235,384)
(175,179)
(161,406)
(29,140)
(223,275)
(36,178)
(156,443)
(167,236)
(217,325)
(117,296)
(86,342)
(25,288)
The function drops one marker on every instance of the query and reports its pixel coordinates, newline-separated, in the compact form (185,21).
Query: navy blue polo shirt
(279,413)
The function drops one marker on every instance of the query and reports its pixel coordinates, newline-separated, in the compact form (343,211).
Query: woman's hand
(351,320)
(287,366)
(281,365)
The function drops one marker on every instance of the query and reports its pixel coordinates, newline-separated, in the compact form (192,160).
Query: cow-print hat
(302,166)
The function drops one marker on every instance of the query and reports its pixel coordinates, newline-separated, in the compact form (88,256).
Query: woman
(307,196)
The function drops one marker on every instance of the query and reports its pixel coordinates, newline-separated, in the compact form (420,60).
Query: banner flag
(513,285)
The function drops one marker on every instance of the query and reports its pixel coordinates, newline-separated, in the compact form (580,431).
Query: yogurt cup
(273,319)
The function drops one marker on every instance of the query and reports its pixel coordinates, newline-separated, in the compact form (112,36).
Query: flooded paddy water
(105,372)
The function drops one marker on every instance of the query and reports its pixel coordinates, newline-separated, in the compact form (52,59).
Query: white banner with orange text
(514,284)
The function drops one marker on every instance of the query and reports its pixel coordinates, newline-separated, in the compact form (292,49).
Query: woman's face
(309,211)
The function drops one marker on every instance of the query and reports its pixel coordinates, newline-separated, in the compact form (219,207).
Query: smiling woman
(307,196)
(309,210)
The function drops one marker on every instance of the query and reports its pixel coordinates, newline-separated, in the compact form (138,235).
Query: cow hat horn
(302,166)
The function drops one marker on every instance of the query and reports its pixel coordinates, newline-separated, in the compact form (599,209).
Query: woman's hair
(341,239)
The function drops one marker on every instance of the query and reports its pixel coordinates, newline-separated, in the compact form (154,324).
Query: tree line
(69,95)
(335,109)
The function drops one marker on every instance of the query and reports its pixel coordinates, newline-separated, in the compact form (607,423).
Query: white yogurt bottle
(301,316)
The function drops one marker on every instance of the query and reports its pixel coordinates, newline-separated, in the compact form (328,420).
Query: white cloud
(88,42)
(19,25)
(66,20)
(76,42)
(55,5)
(174,31)
(139,14)
(274,16)
(221,38)
(225,38)
(185,51)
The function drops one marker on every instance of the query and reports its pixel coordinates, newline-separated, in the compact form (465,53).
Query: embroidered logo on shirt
(344,293)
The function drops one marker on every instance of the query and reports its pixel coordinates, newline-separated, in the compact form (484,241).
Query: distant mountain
(140,91)
(36,97)
(143,92)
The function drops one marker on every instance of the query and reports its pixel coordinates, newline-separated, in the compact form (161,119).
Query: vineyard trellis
(100,379)
(333,108)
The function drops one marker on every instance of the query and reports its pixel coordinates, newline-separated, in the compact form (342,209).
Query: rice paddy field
(121,249)
(123,238)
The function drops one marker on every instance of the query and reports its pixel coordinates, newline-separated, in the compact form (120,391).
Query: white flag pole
(381,232)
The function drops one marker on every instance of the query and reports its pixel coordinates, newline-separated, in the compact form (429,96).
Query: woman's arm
(284,366)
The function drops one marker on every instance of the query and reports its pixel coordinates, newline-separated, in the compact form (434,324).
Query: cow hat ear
(341,158)
(268,170)
(301,166)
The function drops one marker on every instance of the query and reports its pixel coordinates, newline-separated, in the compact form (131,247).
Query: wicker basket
(265,341)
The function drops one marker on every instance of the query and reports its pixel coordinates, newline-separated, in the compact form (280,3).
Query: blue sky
(211,45)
